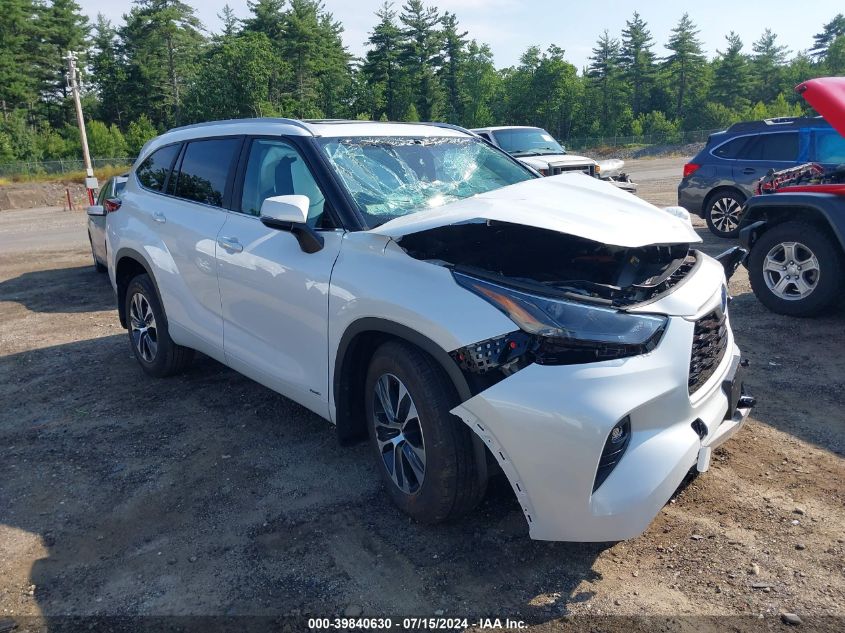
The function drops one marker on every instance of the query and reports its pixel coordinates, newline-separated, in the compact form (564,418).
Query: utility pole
(73,84)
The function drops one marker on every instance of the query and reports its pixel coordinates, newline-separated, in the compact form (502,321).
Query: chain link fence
(58,167)
(662,138)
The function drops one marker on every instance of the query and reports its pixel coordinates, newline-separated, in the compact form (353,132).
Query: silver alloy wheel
(724,213)
(398,433)
(791,271)
(142,325)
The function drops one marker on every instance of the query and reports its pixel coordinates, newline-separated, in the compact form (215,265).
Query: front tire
(149,338)
(796,269)
(425,454)
(723,212)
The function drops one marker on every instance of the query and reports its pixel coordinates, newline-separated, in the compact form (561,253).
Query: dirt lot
(207,494)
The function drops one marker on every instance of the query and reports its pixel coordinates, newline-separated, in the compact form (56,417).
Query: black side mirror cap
(309,240)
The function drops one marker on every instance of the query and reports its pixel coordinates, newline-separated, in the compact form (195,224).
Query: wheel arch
(356,347)
(708,199)
(129,263)
(764,212)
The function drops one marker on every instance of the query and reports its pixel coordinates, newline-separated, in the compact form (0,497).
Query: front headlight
(568,331)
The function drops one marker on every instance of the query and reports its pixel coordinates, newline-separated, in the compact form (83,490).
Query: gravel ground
(207,494)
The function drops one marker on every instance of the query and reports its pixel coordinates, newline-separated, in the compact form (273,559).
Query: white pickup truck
(538,149)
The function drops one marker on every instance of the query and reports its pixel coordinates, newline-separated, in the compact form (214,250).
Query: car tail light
(690,169)
(111,204)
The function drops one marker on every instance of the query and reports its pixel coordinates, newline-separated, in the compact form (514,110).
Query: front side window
(527,142)
(205,169)
(392,176)
(275,168)
(830,148)
(152,173)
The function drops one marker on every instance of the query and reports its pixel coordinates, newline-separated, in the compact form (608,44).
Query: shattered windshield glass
(392,176)
(527,141)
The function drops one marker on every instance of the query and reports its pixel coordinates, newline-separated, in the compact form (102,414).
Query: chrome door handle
(231,244)
(158,216)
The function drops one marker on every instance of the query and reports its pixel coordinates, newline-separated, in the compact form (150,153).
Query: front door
(274,296)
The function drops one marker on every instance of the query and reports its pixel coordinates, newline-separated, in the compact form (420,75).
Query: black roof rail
(194,126)
(787,121)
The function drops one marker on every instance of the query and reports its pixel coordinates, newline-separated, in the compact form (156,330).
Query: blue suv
(722,176)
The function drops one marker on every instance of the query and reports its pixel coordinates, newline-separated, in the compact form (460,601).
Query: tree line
(160,68)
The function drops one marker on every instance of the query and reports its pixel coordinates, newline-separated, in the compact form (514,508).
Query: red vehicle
(794,229)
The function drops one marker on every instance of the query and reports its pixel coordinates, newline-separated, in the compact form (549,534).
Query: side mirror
(290,213)
(96,209)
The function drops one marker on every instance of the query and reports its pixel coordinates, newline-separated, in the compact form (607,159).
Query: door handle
(231,244)
(748,170)
(158,216)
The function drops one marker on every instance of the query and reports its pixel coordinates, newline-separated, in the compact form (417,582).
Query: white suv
(412,283)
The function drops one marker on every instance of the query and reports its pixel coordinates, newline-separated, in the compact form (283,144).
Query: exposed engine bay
(552,263)
(806,174)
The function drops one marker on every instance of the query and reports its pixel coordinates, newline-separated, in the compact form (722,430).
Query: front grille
(709,343)
(587,169)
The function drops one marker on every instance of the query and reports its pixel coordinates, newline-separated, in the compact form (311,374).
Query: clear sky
(510,26)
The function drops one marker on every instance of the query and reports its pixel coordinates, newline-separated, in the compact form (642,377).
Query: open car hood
(573,204)
(827,96)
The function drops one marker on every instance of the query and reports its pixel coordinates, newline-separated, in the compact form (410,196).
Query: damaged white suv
(414,284)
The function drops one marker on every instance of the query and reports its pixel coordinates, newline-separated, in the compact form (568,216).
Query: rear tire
(723,212)
(810,289)
(149,338)
(425,454)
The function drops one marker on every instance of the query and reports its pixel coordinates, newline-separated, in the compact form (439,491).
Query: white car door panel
(274,296)
(188,221)
(275,300)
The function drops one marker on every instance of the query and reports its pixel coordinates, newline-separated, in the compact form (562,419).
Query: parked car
(412,283)
(539,150)
(796,232)
(722,176)
(106,202)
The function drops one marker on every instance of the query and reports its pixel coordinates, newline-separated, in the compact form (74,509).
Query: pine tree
(767,66)
(268,17)
(17,82)
(454,51)
(822,41)
(381,64)
(685,65)
(162,41)
(421,57)
(62,28)
(605,75)
(229,20)
(730,77)
(638,62)
(108,73)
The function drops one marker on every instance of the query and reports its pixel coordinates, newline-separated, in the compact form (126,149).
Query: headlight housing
(569,332)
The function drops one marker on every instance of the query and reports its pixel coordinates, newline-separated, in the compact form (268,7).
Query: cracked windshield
(389,177)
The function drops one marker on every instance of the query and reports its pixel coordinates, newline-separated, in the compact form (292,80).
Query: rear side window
(152,173)
(777,147)
(205,170)
(731,149)
(830,148)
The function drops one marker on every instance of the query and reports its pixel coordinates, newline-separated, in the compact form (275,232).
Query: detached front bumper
(547,426)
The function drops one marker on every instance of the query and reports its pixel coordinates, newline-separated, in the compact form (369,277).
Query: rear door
(762,152)
(97,223)
(188,219)
(274,296)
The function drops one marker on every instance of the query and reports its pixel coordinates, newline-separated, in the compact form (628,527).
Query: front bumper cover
(546,426)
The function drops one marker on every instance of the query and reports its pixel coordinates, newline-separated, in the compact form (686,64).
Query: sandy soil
(207,494)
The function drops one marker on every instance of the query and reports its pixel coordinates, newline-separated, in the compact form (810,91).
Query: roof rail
(786,121)
(294,122)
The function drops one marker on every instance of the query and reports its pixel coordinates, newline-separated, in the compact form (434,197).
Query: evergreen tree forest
(160,67)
